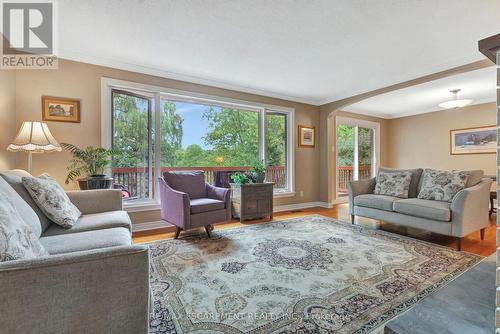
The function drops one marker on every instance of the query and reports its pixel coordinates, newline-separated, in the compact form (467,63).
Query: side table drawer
(251,207)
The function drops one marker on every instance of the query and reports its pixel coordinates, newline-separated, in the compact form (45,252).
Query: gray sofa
(467,213)
(94,281)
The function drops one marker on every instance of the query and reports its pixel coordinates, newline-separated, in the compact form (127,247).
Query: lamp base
(30,161)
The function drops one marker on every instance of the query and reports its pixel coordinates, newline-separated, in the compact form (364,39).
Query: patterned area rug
(305,275)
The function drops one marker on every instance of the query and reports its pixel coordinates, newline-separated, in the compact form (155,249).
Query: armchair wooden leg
(208,229)
(177,232)
(352,219)
(459,243)
(481,231)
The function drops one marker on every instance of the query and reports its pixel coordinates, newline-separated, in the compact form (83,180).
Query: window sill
(284,194)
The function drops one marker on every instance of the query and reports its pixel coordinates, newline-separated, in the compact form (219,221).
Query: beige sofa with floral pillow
(90,277)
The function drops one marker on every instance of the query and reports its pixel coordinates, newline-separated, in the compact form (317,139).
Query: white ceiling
(479,85)
(313,51)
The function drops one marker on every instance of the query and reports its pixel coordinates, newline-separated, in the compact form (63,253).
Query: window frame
(159,93)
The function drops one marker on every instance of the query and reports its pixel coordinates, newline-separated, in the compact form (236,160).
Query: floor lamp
(34,137)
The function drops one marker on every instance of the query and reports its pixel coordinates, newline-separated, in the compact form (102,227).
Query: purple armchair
(187,201)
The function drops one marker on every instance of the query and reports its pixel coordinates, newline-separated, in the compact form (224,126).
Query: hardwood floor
(471,243)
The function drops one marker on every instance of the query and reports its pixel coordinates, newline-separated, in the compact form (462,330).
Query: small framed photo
(478,140)
(307,136)
(59,109)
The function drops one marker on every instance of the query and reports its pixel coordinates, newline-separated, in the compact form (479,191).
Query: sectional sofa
(468,211)
(94,280)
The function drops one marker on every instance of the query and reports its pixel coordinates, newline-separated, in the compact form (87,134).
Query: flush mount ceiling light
(455,103)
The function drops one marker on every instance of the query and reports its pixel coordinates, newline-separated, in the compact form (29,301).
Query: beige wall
(83,81)
(424,140)
(7,117)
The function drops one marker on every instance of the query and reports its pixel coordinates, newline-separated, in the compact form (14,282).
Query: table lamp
(34,137)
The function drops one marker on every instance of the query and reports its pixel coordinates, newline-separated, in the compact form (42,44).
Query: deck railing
(345,174)
(135,179)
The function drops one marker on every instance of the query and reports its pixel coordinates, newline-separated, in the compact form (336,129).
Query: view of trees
(231,137)
(345,145)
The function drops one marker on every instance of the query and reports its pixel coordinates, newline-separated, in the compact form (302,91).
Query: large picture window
(154,131)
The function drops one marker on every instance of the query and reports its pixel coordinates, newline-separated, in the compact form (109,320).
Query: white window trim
(107,84)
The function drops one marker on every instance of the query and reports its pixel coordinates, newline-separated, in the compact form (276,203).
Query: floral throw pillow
(442,185)
(17,240)
(52,200)
(395,184)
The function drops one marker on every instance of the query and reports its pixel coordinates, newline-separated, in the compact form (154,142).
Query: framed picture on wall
(307,136)
(59,109)
(478,140)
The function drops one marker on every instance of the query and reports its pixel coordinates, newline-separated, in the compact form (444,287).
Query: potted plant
(258,172)
(238,179)
(89,162)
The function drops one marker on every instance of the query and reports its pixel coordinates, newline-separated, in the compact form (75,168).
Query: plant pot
(257,177)
(95,182)
(261,177)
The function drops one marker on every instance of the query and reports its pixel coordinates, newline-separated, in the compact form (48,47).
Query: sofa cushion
(25,211)
(52,200)
(415,178)
(395,184)
(441,185)
(380,202)
(191,183)
(423,208)
(92,222)
(17,240)
(14,179)
(206,204)
(88,240)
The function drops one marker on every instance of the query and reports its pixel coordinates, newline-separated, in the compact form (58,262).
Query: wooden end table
(252,201)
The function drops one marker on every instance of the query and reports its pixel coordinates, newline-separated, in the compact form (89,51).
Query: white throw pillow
(17,240)
(52,200)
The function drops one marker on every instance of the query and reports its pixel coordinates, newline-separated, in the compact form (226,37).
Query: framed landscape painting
(58,109)
(307,136)
(479,140)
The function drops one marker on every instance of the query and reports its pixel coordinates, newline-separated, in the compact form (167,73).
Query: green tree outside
(232,137)
(345,145)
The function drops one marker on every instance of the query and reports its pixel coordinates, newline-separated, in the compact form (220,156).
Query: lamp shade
(34,137)
(455,103)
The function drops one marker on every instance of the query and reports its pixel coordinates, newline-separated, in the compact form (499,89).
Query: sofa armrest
(98,291)
(470,209)
(95,201)
(175,205)
(222,194)
(355,188)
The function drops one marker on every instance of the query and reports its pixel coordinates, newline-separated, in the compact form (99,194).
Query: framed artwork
(59,109)
(307,136)
(478,140)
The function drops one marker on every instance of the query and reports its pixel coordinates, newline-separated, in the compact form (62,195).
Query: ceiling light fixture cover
(455,103)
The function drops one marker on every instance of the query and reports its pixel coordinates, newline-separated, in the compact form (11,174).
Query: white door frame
(355,122)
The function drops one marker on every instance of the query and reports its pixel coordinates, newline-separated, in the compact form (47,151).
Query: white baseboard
(299,206)
(280,208)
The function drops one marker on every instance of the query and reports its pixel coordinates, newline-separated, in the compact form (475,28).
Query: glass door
(356,152)
(346,140)
(366,150)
